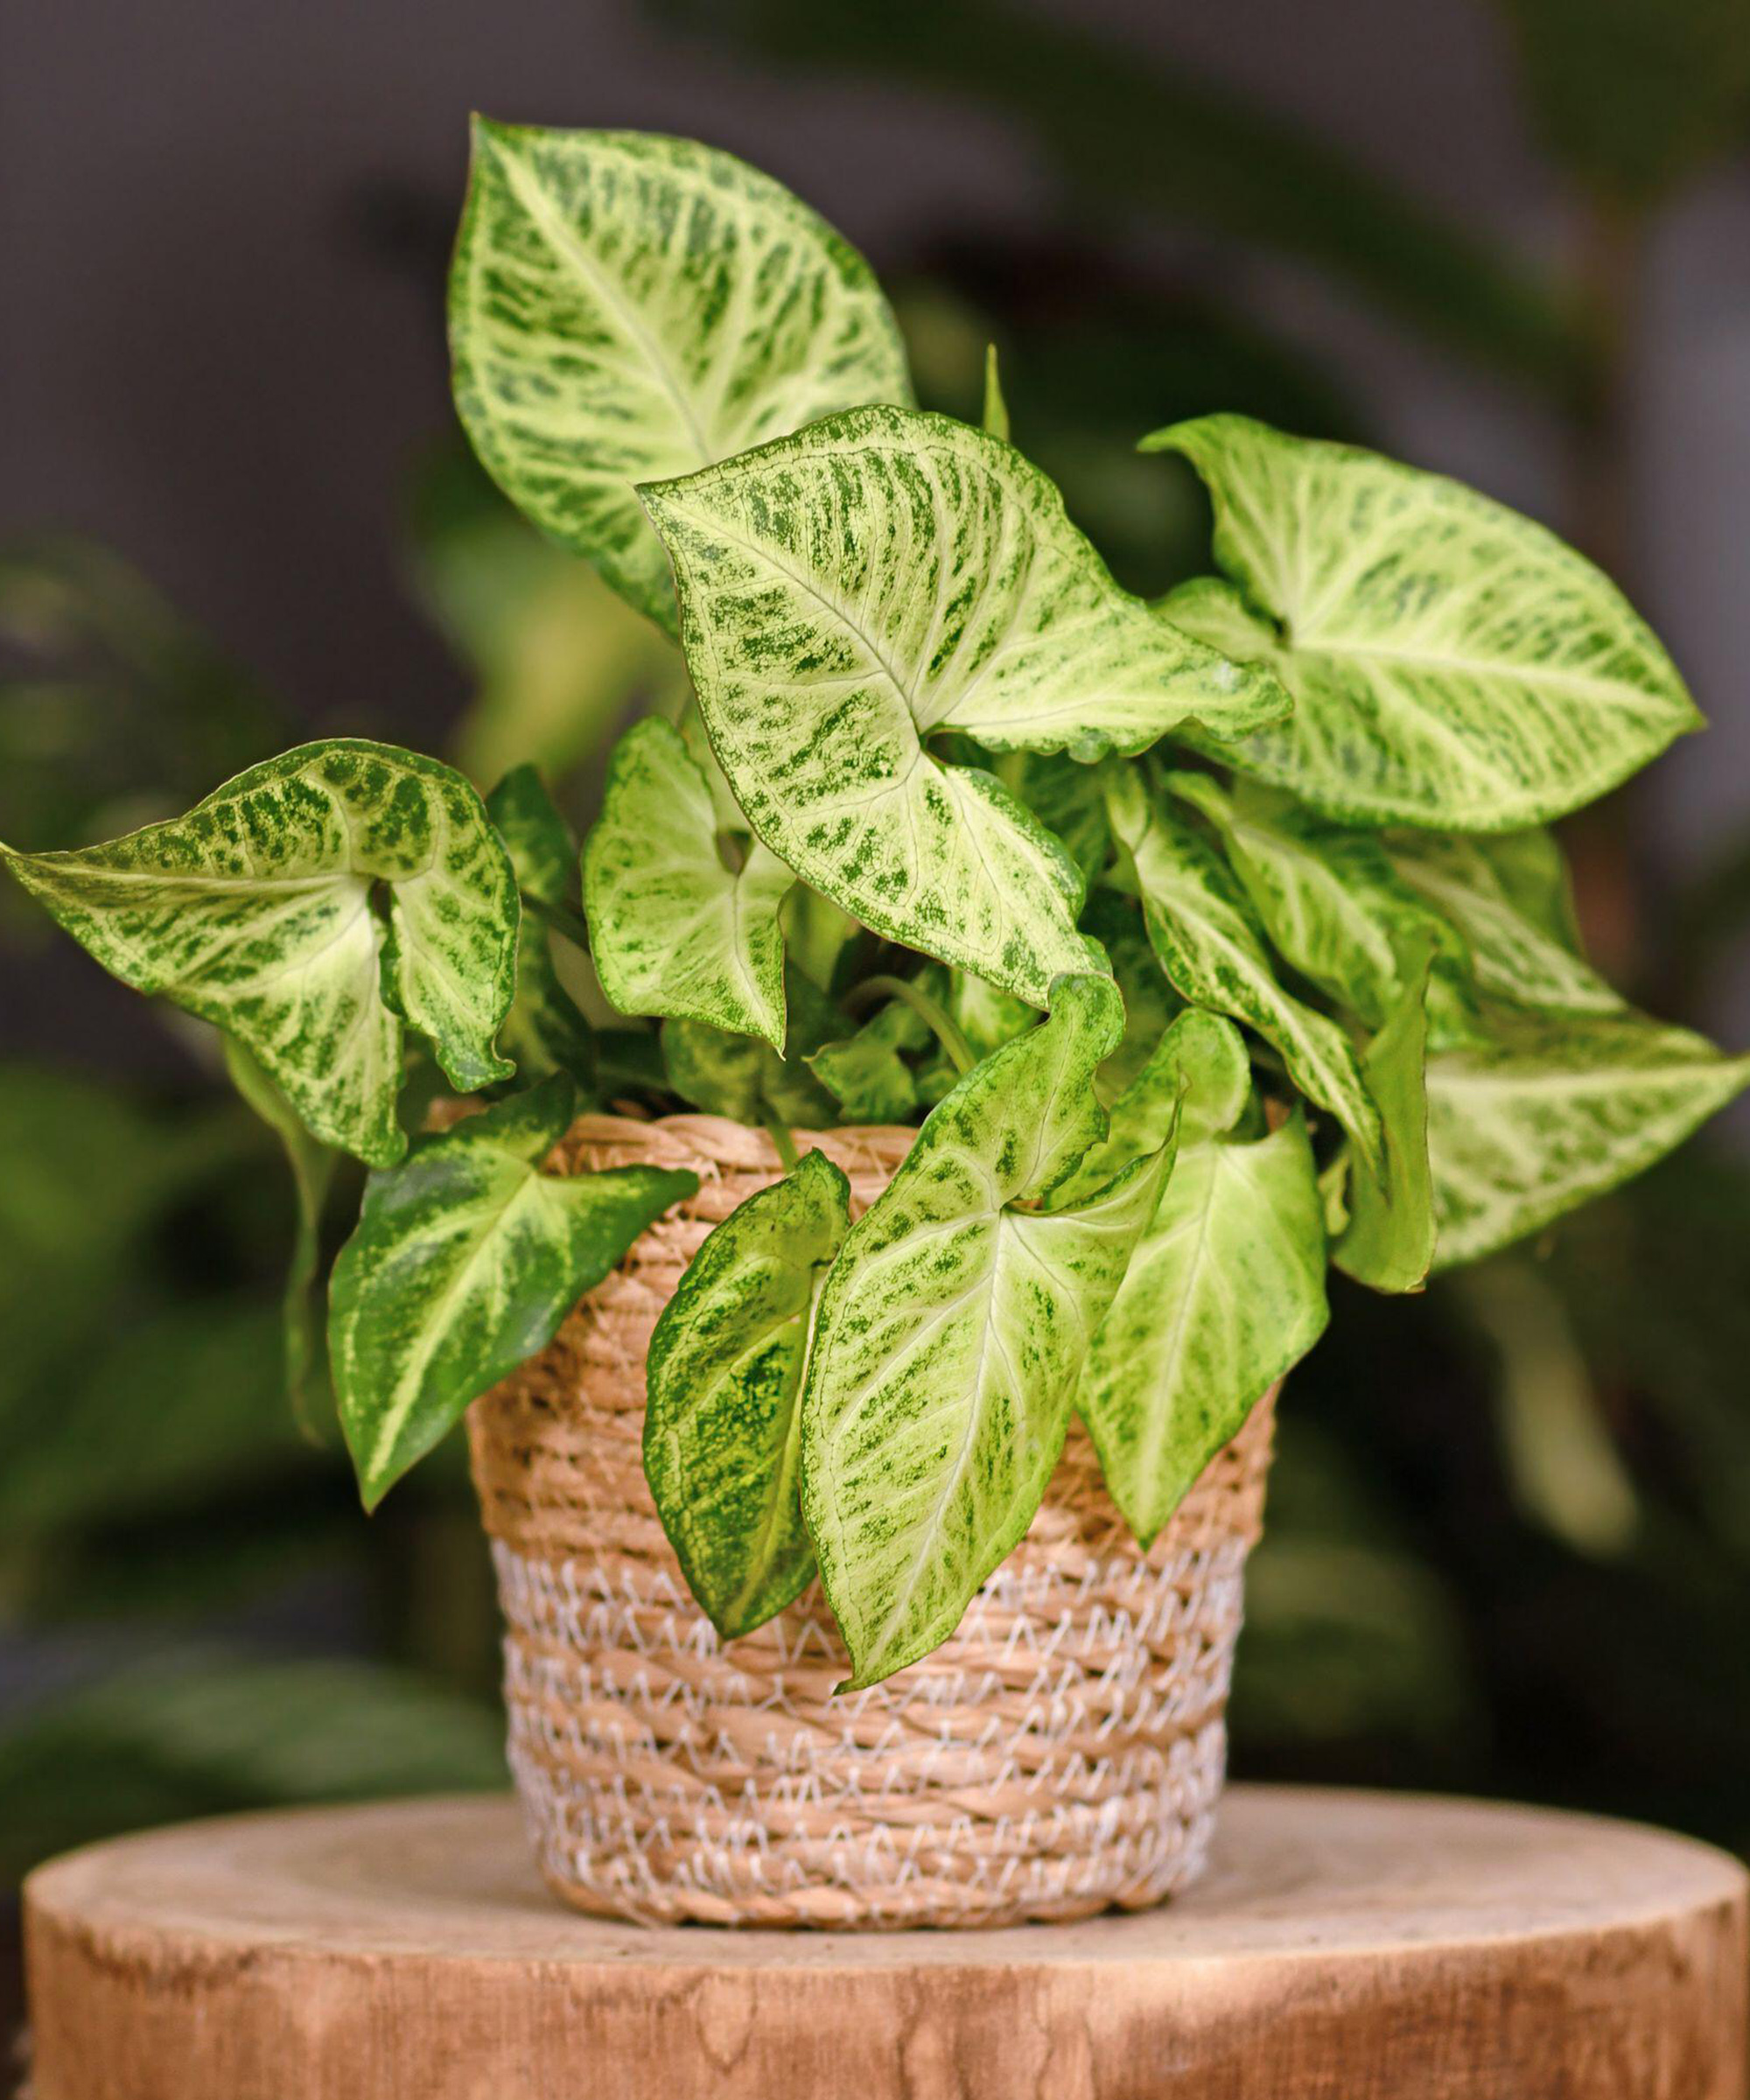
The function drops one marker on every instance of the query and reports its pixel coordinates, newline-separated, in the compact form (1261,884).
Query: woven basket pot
(1061,1753)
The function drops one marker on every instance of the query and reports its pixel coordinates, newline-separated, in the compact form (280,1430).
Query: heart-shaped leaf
(880,577)
(254,912)
(625,307)
(1389,1241)
(1452,663)
(464,1260)
(1513,954)
(722,1431)
(1207,936)
(673,930)
(1556,1111)
(951,1332)
(1226,1289)
(544,1031)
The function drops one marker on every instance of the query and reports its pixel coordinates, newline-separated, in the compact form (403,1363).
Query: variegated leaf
(626,307)
(1330,899)
(673,930)
(254,912)
(1452,663)
(1556,1111)
(544,1031)
(1513,954)
(1207,936)
(464,1262)
(883,576)
(1151,1004)
(723,1431)
(1226,1289)
(951,1332)
(1195,1084)
(1388,1242)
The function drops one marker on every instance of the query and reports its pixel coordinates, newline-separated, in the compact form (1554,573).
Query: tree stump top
(1342,1946)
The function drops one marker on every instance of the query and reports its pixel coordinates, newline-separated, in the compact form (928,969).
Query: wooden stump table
(1341,1947)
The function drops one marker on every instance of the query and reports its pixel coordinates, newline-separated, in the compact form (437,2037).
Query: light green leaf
(743,1077)
(1452,663)
(723,1431)
(1224,1294)
(464,1261)
(1389,1239)
(626,307)
(1533,873)
(1555,1111)
(544,1030)
(866,1073)
(880,579)
(254,912)
(950,1334)
(996,416)
(672,929)
(1209,944)
(312,1170)
(1513,954)
(1330,899)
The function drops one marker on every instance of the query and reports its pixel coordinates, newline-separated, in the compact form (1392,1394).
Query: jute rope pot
(1062,1753)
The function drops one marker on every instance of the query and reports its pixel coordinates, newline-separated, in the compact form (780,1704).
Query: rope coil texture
(1061,1753)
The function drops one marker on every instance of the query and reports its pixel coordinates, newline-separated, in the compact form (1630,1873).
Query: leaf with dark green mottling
(951,1332)
(254,912)
(465,1259)
(544,1030)
(1554,1111)
(673,929)
(1452,663)
(1389,1239)
(625,307)
(884,578)
(1210,945)
(723,1430)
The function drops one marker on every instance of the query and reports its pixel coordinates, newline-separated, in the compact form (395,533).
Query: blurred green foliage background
(1509,1540)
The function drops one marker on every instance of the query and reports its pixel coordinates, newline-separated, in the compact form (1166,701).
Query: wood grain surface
(1343,1946)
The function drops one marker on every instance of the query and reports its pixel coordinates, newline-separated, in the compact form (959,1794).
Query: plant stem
(779,1133)
(928,1011)
(561,917)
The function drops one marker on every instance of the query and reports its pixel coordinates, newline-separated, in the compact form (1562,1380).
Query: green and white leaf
(1329,897)
(1151,1004)
(1211,946)
(544,1030)
(1195,1084)
(673,930)
(743,1077)
(1451,662)
(1556,1112)
(1068,799)
(886,577)
(465,1259)
(723,1429)
(625,307)
(1513,954)
(1224,1294)
(254,912)
(951,1333)
(1388,1242)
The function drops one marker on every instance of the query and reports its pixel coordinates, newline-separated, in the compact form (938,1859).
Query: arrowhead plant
(1208,944)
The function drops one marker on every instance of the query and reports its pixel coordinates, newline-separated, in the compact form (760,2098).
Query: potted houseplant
(1007,997)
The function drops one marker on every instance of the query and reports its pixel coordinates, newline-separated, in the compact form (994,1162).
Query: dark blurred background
(1510,239)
